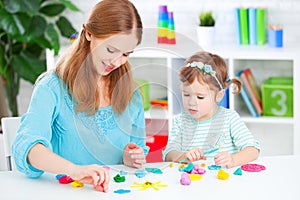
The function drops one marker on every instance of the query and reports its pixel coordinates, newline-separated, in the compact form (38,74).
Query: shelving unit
(278,135)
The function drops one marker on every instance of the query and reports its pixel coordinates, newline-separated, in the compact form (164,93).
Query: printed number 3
(280,102)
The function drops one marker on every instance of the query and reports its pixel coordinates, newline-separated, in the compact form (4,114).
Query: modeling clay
(185,179)
(77,184)
(154,170)
(253,167)
(181,166)
(238,171)
(148,184)
(195,177)
(119,178)
(106,167)
(222,175)
(123,173)
(58,176)
(203,165)
(121,191)
(188,168)
(171,165)
(65,180)
(214,167)
(197,170)
(140,173)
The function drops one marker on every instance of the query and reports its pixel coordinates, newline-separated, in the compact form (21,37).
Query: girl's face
(199,100)
(110,53)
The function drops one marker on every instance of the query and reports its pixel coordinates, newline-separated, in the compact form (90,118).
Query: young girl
(204,128)
(87,113)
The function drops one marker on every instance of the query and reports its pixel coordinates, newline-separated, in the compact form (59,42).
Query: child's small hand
(133,155)
(91,174)
(195,154)
(224,159)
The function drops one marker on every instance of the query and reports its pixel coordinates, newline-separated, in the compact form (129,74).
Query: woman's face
(110,53)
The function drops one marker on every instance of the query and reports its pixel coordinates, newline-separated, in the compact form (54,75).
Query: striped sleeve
(241,135)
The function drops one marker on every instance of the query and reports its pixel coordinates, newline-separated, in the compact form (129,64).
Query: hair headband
(205,69)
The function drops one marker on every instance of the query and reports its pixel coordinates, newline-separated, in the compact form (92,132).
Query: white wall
(285,13)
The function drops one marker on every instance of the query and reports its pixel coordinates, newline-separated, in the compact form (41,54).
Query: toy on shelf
(166,29)
(162,24)
(275,36)
(159,102)
(73,37)
(171,29)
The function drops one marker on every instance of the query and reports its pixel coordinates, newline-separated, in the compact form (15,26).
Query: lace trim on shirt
(100,123)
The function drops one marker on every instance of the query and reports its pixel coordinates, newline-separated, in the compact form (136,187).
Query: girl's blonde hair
(75,67)
(218,64)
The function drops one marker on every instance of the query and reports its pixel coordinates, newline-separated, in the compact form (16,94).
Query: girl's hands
(224,159)
(91,174)
(195,154)
(133,155)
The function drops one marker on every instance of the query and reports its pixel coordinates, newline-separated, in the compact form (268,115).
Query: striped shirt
(225,130)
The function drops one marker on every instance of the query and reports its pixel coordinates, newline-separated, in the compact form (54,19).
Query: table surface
(280,180)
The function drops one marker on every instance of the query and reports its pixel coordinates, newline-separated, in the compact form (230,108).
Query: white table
(280,180)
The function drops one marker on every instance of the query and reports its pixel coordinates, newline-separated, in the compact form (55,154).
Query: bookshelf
(278,135)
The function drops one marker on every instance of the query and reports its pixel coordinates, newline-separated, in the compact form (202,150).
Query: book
(261,26)
(246,97)
(237,22)
(243,13)
(252,26)
(252,89)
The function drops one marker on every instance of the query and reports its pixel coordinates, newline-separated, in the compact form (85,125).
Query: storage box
(277,97)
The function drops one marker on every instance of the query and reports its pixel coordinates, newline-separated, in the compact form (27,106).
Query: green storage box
(143,86)
(277,97)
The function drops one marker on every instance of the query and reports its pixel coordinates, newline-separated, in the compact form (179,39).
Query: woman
(87,112)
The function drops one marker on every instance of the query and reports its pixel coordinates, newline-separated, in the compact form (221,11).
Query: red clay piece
(65,180)
(253,167)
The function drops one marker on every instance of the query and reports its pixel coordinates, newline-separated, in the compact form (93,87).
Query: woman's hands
(91,174)
(133,155)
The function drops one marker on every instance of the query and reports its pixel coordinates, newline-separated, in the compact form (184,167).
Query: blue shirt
(82,139)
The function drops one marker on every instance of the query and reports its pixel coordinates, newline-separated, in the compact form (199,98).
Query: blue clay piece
(58,176)
(214,167)
(154,170)
(123,173)
(140,173)
(188,168)
(238,171)
(122,191)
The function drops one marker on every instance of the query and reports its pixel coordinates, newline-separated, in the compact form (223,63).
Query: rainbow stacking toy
(171,29)
(162,25)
